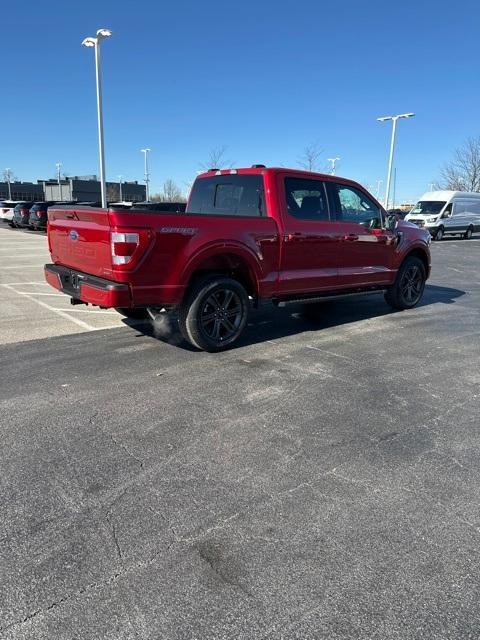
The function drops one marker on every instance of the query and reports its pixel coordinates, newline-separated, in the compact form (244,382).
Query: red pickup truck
(246,235)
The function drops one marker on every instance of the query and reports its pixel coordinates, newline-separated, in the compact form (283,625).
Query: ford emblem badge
(73,235)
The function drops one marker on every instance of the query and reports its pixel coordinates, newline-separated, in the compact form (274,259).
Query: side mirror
(391,220)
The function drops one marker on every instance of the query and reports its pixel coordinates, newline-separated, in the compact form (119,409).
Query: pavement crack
(57,603)
(115,538)
(126,449)
(206,532)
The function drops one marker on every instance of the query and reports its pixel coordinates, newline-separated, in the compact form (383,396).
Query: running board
(338,296)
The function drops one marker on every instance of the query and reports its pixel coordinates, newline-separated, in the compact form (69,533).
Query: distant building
(28,191)
(87,189)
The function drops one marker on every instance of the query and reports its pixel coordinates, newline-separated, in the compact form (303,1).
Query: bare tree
(462,173)
(8,176)
(113,194)
(310,157)
(170,193)
(217,159)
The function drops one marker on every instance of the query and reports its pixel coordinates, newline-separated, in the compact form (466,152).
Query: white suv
(6,209)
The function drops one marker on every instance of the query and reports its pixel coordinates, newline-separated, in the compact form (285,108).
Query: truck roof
(260,169)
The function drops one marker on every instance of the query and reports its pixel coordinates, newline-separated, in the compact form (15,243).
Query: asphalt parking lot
(319,481)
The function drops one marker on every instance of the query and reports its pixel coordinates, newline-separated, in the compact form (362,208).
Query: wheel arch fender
(230,258)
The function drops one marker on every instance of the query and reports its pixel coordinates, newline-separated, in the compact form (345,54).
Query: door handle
(351,237)
(290,237)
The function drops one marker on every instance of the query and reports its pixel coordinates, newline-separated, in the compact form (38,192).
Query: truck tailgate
(80,238)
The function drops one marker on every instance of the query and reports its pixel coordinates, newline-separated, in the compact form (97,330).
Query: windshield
(428,207)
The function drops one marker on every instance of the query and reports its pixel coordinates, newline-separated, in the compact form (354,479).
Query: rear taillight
(128,246)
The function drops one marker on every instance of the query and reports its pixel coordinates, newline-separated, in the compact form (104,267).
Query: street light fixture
(147,174)
(59,181)
(8,177)
(392,147)
(120,187)
(95,42)
(334,162)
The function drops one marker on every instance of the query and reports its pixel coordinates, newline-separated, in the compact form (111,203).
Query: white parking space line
(22,266)
(95,311)
(20,284)
(38,293)
(22,255)
(62,314)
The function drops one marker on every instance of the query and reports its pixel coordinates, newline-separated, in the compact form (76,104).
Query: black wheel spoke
(221,317)
(216,329)
(233,312)
(228,325)
(208,317)
(212,301)
(228,298)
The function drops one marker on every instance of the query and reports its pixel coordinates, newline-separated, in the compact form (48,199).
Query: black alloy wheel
(409,285)
(412,284)
(214,313)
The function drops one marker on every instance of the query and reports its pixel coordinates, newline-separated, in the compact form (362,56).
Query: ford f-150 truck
(246,235)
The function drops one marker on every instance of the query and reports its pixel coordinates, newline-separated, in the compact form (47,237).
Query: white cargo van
(447,212)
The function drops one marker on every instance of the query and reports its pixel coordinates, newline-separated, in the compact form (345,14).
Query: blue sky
(263,78)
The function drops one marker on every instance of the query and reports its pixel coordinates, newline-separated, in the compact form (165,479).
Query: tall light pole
(147,174)
(59,181)
(392,147)
(120,187)
(95,42)
(334,162)
(8,178)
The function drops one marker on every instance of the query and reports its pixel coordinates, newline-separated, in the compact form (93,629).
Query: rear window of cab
(228,195)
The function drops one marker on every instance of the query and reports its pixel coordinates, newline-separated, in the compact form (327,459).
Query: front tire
(468,233)
(440,233)
(214,313)
(407,290)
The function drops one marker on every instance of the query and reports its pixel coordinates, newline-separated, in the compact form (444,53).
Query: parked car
(37,219)
(21,214)
(447,213)
(246,235)
(6,209)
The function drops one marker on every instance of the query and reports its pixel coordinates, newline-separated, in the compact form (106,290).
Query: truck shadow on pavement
(270,323)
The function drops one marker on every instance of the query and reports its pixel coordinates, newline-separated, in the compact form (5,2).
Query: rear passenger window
(229,195)
(306,199)
(351,205)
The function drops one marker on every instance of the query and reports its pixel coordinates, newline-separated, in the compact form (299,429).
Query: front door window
(355,206)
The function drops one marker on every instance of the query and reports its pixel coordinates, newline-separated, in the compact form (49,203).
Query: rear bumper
(87,288)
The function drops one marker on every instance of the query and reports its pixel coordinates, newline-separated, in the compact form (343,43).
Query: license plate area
(71,281)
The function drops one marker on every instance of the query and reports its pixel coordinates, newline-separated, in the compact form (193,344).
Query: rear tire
(440,233)
(468,233)
(214,313)
(407,290)
(134,314)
